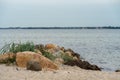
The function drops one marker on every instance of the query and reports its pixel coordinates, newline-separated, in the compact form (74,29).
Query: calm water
(101,47)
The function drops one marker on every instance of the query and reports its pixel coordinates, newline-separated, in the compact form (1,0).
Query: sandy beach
(64,73)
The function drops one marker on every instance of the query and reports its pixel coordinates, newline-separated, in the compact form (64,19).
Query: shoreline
(48,62)
(70,52)
(64,73)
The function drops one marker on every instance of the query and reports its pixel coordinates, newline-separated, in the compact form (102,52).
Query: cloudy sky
(40,13)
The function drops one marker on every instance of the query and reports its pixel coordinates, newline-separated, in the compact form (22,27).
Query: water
(100,47)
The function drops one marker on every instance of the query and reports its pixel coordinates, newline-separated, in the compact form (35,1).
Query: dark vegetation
(102,27)
(82,64)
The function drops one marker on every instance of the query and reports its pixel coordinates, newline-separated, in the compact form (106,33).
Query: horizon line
(102,27)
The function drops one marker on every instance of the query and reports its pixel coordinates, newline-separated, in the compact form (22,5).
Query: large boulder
(34,65)
(23,57)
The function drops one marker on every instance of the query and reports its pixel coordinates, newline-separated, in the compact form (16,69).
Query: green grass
(41,48)
(5,49)
(66,58)
(14,48)
(28,46)
(49,55)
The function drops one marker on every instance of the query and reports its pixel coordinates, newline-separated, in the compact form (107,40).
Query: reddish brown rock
(23,57)
(4,58)
(51,46)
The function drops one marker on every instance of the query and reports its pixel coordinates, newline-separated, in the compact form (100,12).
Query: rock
(51,51)
(40,47)
(58,53)
(34,65)
(37,51)
(51,46)
(75,58)
(63,49)
(83,64)
(76,55)
(23,57)
(117,71)
(59,61)
(7,57)
(70,52)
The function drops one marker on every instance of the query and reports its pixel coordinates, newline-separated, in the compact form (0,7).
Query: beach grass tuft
(28,46)
(66,58)
(49,55)
(13,47)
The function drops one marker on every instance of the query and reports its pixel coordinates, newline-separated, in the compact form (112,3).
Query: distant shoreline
(109,27)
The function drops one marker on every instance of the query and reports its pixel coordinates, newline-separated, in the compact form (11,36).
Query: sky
(55,13)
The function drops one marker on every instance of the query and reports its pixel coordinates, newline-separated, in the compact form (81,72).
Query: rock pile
(72,57)
(47,56)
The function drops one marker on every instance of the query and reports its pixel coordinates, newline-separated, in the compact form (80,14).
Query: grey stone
(34,66)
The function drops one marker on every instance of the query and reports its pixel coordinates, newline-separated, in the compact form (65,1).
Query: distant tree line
(105,27)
